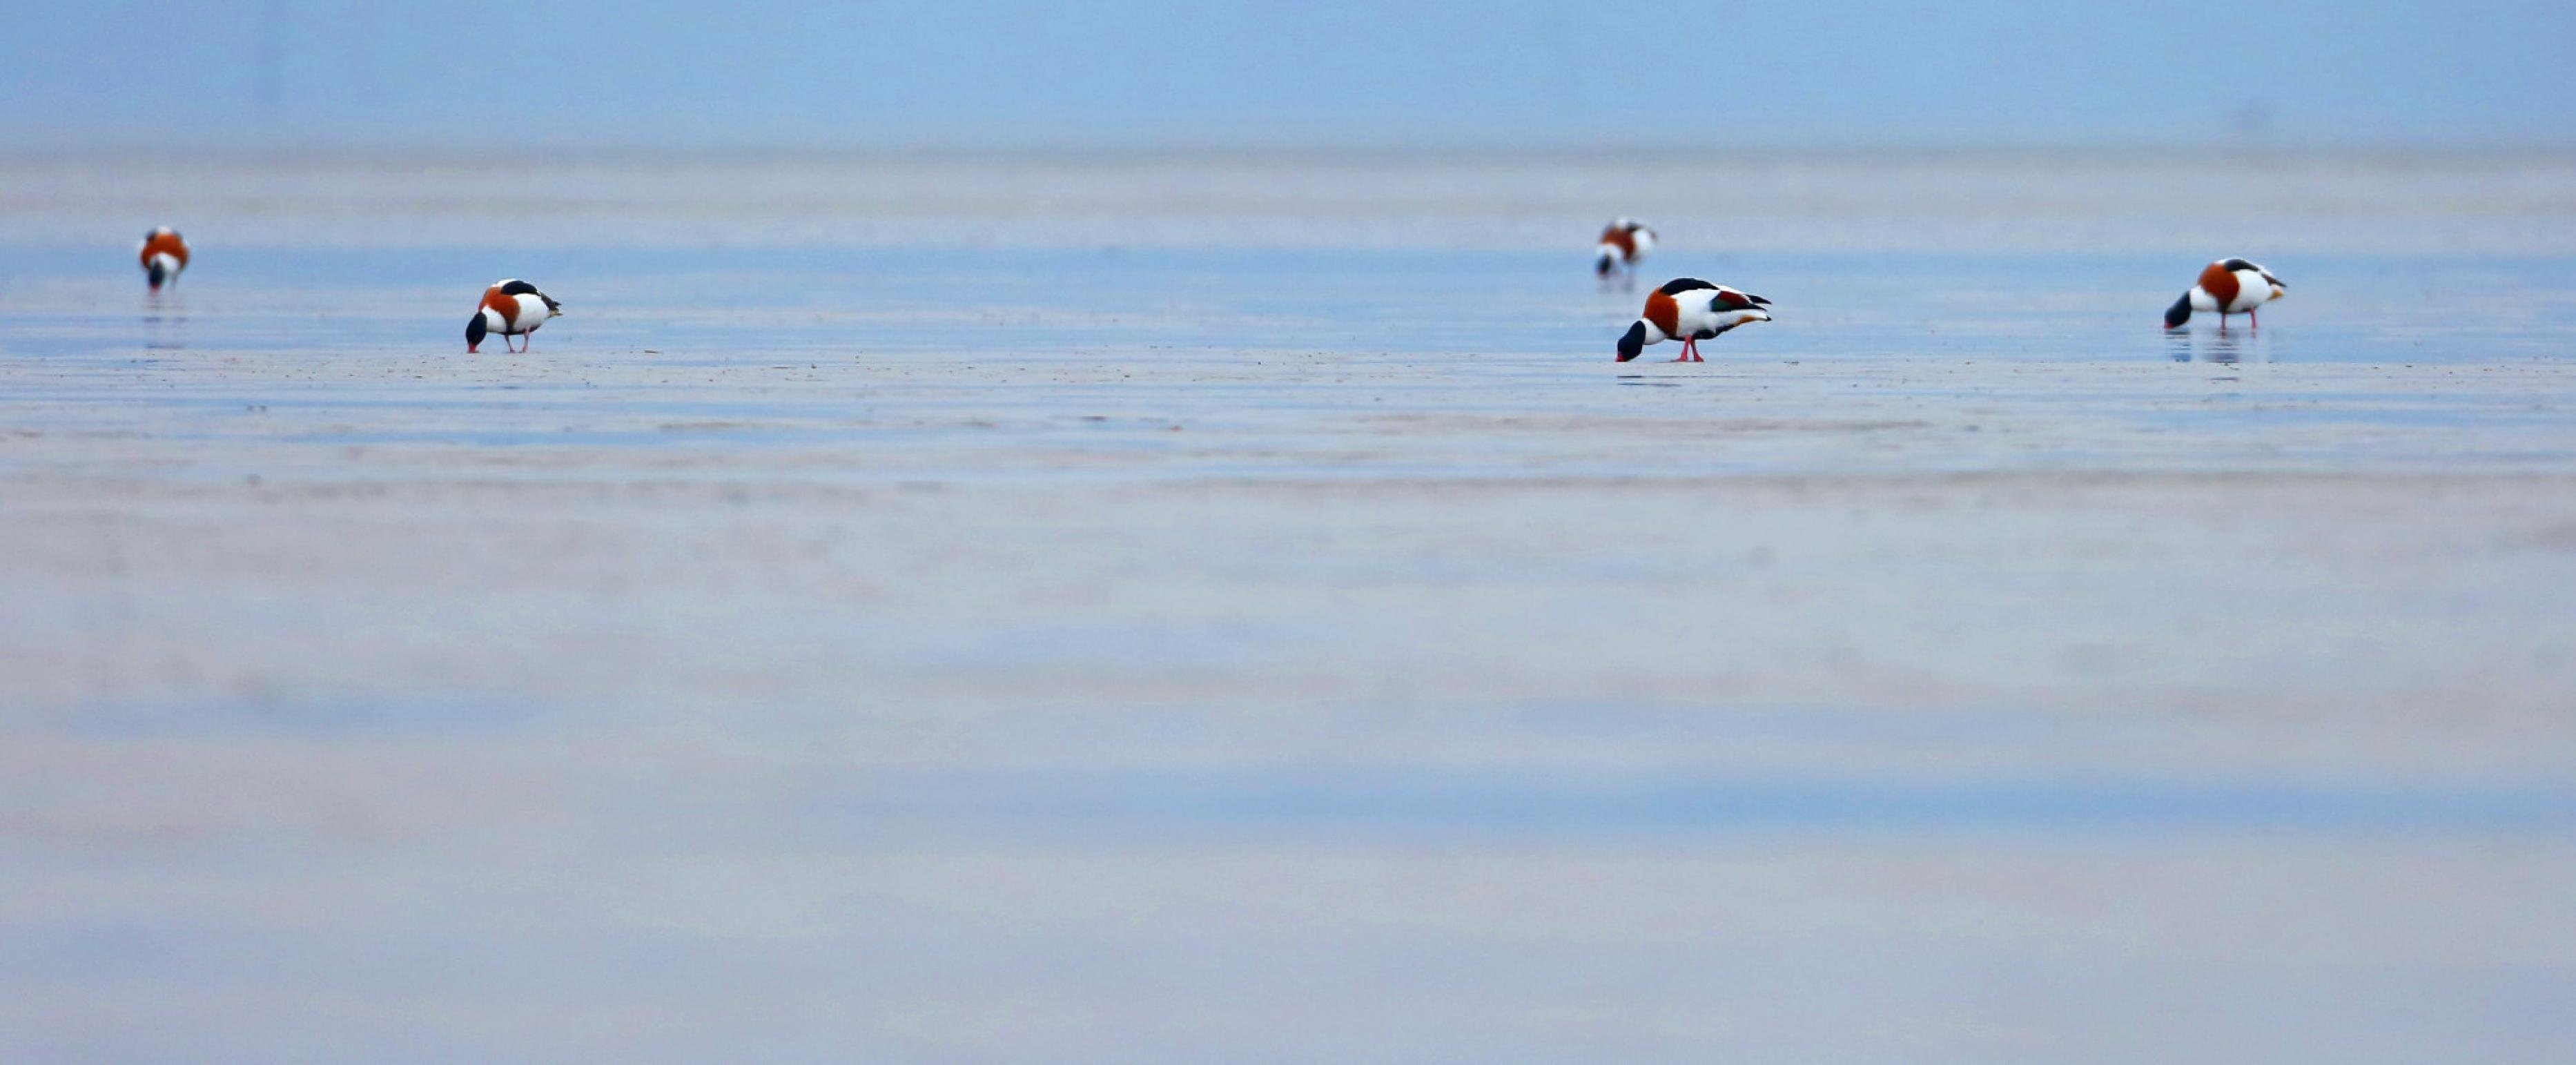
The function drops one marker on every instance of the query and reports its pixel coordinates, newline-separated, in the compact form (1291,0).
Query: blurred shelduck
(163,256)
(1690,310)
(512,308)
(1623,243)
(2232,286)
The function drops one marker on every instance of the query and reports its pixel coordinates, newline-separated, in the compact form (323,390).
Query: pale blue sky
(1497,72)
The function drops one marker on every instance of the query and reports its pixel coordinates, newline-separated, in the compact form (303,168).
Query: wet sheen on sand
(1099,640)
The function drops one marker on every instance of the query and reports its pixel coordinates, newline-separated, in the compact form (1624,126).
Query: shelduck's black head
(157,274)
(1601,267)
(474,330)
(1633,343)
(2179,313)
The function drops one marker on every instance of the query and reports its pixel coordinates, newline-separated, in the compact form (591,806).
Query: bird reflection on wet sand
(2226,348)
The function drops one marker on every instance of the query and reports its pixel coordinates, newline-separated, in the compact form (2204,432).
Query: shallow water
(723,305)
(1178,619)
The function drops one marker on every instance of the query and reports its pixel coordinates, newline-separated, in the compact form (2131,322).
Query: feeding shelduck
(507,310)
(1690,310)
(1623,242)
(2231,286)
(163,256)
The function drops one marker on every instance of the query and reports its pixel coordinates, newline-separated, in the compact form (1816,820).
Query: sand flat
(1071,651)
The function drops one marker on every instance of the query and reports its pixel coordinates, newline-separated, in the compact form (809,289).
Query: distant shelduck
(1623,243)
(163,256)
(512,308)
(2233,286)
(1690,310)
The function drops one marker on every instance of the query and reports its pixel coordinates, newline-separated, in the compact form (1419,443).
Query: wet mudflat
(1285,645)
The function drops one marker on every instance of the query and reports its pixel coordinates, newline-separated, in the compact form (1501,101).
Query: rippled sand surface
(1178,608)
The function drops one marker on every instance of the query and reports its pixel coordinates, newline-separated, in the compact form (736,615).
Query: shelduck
(1690,310)
(512,308)
(163,255)
(2229,286)
(1623,243)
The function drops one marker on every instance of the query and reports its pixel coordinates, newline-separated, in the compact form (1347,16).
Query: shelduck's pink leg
(2256,317)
